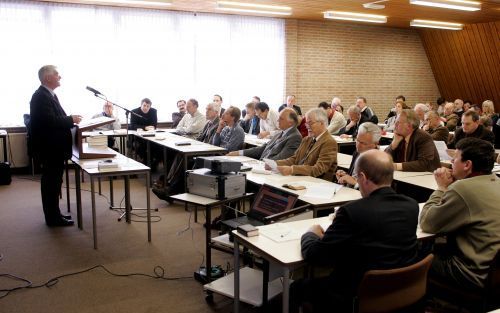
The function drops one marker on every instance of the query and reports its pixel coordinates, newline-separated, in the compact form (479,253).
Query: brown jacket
(421,154)
(451,121)
(320,160)
(440,133)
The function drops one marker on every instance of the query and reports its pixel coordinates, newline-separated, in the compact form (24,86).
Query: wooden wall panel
(466,63)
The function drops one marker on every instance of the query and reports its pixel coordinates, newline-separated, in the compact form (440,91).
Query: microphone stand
(127,112)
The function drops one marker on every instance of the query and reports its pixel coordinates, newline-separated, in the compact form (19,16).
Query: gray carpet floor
(31,250)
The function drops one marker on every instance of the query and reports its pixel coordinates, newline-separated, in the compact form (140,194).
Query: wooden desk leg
(127,199)
(208,237)
(67,186)
(148,205)
(94,226)
(78,192)
(265,283)
(286,288)
(236,302)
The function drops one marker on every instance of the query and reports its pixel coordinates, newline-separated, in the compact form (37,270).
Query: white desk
(121,134)
(126,168)
(423,181)
(253,140)
(286,254)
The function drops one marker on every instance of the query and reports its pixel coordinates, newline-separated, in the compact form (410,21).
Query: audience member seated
(471,128)
(355,119)
(208,131)
(375,232)
(193,122)
(489,112)
(218,104)
(328,108)
(107,111)
(420,110)
(391,121)
(177,116)
(282,145)
(440,105)
(147,120)
(449,118)
(366,110)
(393,111)
(148,117)
(337,120)
(290,103)
(459,109)
(268,120)
(229,134)
(412,149)
(465,207)
(317,153)
(339,108)
(255,100)
(467,105)
(250,122)
(368,138)
(433,126)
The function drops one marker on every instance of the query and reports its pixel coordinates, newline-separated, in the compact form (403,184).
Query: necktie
(404,150)
(307,151)
(250,131)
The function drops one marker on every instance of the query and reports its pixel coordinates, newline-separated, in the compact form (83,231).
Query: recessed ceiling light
(436,24)
(161,3)
(352,16)
(253,8)
(450,4)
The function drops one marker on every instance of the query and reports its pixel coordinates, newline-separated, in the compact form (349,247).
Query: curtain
(129,54)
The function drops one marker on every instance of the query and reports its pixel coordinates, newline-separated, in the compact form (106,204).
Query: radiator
(17,150)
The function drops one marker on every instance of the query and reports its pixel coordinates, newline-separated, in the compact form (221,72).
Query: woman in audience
(489,111)
(391,122)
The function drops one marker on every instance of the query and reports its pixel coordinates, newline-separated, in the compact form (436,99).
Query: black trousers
(52,172)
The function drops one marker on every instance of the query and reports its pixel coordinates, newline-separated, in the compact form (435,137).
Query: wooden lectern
(82,150)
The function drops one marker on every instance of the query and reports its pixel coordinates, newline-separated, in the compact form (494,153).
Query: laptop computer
(268,201)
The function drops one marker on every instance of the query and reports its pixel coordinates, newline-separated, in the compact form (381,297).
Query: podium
(82,150)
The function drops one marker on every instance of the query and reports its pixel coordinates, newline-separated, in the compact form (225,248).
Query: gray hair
(421,106)
(212,106)
(319,115)
(45,70)
(412,118)
(354,109)
(370,128)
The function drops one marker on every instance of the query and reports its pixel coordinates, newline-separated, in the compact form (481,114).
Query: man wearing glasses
(368,138)
(317,153)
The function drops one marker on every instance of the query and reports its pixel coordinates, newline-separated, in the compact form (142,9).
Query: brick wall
(328,58)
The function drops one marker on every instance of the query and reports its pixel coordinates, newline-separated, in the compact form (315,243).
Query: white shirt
(192,125)
(337,123)
(270,124)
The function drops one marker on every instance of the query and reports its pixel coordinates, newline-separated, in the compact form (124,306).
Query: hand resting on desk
(317,229)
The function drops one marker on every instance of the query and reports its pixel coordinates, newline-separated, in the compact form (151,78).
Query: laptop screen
(271,200)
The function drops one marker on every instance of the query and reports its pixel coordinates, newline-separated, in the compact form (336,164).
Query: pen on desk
(284,235)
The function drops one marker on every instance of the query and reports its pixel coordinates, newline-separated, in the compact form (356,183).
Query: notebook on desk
(268,201)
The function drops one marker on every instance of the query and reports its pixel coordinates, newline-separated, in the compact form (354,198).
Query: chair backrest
(393,289)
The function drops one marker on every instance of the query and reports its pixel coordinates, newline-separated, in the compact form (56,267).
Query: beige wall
(328,58)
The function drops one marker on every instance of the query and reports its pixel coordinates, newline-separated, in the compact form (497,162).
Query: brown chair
(394,289)
(479,300)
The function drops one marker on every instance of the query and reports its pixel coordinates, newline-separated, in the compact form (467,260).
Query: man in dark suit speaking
(52,143)
(376,232)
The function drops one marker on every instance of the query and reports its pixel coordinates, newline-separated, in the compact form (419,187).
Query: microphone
(94,91)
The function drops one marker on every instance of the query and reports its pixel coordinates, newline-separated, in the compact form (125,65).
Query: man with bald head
(375,232)
(282,145)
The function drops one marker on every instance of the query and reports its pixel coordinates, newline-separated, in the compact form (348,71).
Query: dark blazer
(278,148)
(245,124)
(148,119)
(481,132)
(421,154)
(440,133)
(376,232)
(353,131)
(208,132)
(176,118)
(50,127)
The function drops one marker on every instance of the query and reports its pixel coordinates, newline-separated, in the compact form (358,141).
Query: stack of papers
(97,141)
(108,165)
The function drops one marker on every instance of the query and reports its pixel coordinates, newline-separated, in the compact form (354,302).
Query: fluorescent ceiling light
(351,16)
(450,4)
(253,8)
(436,24)
(162,3)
